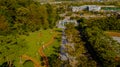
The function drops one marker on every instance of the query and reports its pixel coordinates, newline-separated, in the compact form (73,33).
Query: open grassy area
(34,41)
(28,64)
(55,46)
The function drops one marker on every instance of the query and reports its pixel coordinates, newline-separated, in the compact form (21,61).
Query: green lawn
(54,47)
(34,41)
(28,64)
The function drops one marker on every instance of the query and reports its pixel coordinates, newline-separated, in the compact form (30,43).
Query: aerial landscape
(59,33)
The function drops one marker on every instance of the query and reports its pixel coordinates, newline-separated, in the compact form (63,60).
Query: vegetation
(28,64)
(76,48)
(53,51)
(26,25)
(18,16)
(104,47)
(18,19)
(11,48)
(106,24)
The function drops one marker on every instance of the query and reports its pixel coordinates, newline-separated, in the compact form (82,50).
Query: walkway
(36,63)
(63,54)
(40,51)
(42,48)
(116,34)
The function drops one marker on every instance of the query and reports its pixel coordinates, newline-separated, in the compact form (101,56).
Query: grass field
(34,41)
(28,64)
(54,47)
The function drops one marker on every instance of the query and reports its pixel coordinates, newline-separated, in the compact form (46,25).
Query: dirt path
(42,48)
(36,63)
(117,34)
(40,51)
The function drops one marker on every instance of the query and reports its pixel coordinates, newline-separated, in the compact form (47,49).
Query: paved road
(117,39)
(63,54)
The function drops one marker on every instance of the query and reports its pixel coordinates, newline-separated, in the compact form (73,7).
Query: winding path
(36,63)
(40,51)
(42,48)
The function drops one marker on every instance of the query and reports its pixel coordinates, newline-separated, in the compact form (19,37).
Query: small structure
(78,8)
(94,8)
(86,7)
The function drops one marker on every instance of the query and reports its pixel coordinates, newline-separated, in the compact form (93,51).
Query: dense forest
(100,45)
(18,17)
(76,48)
(89,44)
(111,23)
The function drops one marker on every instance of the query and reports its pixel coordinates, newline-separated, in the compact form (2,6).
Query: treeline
(104,47)
(18,16)
(106,23)
(116,3)
(11,48)
(78,55)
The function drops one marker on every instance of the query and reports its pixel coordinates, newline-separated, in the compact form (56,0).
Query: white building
(94,8)
(78,8)
(86,7)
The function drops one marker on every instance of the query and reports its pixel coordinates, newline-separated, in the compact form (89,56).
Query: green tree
(11,48)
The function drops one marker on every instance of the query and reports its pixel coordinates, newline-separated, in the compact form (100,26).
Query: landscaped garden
(36,40)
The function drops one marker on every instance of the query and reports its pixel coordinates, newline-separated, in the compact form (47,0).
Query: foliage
(53,51)
(11,48)
(76,48)
(108,23)
(107,50)
(19,16)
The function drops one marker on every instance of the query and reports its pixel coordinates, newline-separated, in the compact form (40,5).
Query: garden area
(35,41)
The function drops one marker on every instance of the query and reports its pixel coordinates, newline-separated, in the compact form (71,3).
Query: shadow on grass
(5,64)
(42,61)
(53,59)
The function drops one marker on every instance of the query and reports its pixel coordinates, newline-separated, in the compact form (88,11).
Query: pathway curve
(40,51)
(36,63)
(45,59)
